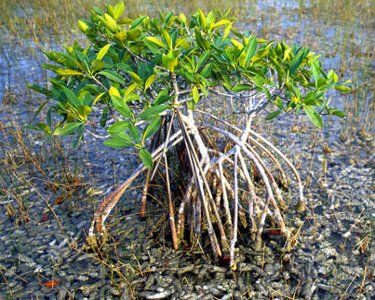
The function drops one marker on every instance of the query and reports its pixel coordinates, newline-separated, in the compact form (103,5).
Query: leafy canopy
(127,68)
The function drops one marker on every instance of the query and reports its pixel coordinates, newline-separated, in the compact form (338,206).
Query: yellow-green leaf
(195,94)
(114,92)
(182,18)
(120,36)
(220,23)
(98,97)
(227,31)
(149,81)
(202,18)
(155,40)
(82,25)
(183,42)
(130,89)
(343,88)
(168,39)
(118,9)
(110,23)
(68,72)
(84,111)
(237,44)
(103,52)
(135,77)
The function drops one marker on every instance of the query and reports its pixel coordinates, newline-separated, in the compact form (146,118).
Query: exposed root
(111,200)
(222,183)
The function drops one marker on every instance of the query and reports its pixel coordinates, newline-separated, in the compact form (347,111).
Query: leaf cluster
(128,67)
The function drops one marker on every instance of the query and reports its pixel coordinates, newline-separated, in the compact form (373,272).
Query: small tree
(149,78)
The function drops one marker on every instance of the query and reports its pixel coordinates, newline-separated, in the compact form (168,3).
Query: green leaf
(279,103)
(104,117)
(146,158)
(297,61)
(227,31)
(145,70)
(336,112)
(137,22)
(111,75)
(321,83)
(39,89)
(332,76)
(202,59)
(40,108)
(169,60)
(273,115)
(79,136)
(118,127)
(151,128)
(152,47)
(191,105)
(162,97)
(201,42)
(103,52)
(134,132)
(315,69)
(315,118)
(152,112)
(121,107)
(40,127)
(130,89)
(206,72)
(237,44)
(241,87)
(81,56)
(67,129)
(97,98)
(116,142)
(183,42)
(182,18)
(248,52)
(310,99)
(73,99)
(134,34)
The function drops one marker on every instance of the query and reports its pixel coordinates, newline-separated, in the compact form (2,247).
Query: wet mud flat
(333,256)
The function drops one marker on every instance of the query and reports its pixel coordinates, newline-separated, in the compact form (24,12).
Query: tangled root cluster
(234,175)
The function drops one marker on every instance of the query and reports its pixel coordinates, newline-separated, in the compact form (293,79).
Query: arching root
(231,181)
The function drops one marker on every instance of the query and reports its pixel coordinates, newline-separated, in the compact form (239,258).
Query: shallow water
(344,47)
